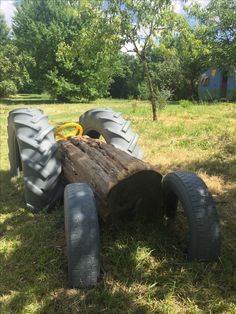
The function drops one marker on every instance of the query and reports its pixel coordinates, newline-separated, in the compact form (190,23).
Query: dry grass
(145,270)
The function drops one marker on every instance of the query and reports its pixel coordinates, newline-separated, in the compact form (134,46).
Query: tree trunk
(123,185)
(151,90)
(193,89)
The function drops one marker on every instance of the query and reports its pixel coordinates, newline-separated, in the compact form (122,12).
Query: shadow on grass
(34,100)
(29,101)
(32,258)
(220,164)
(143,264)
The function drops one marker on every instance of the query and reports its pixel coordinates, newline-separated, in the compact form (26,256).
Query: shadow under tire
(199,208)
(82,235)
(33,150)
(114,129)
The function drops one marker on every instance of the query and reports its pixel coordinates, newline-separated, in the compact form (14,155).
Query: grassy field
(145,270)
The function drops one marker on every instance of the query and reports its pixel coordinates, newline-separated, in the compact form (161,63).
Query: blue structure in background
(218,84)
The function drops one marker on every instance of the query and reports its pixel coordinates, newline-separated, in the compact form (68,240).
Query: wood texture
(123,185)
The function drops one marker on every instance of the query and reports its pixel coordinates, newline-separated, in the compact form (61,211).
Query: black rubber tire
(114,129)
(200,210)
(82,235)
(33,149)
(13,148)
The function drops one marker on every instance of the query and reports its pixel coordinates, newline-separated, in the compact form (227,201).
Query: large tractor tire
(113,128)
(32,150)
(198,206)
(82,235)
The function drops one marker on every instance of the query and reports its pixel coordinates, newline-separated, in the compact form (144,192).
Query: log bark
(123,185)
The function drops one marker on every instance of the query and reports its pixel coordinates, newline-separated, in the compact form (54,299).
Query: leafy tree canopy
(175,61)
(74,45)
(126,82)
(13,73)
(4,31)
(185,44)
(140,24)
(218,25)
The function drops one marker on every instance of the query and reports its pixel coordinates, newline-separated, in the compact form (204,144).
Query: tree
(140,24)
(39,26)
(13,73)
(74,45)
(4,31)
(218,25)
(184,43)
(126,83)
(166,69)
(85,67)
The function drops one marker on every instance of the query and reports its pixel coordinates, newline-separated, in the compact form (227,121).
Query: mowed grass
(145,270)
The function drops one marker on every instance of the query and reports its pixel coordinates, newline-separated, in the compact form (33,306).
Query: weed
(185,103)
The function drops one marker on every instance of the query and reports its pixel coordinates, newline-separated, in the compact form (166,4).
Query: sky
(178,4)
(7,7)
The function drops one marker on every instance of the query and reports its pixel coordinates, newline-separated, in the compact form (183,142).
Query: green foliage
(85,68)
(185,103)
(166,69)
(7,88)
(188,52)
(39,26)
(140,23)
(126,84)
(13,73)
(72,48)
(144,92)
(175,63)
(4,31)
(218,25)
(75,46)
(164,95)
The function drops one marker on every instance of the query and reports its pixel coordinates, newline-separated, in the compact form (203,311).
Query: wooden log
(123,185)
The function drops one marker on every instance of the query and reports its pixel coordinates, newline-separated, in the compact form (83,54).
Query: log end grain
(139,195)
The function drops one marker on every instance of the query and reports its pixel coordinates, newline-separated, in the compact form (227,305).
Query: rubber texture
(200,210)
(82,235)
(33,150)
(114,129)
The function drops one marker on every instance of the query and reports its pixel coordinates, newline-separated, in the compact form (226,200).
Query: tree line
(82,50)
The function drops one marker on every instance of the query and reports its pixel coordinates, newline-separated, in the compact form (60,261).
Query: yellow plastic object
(78,131)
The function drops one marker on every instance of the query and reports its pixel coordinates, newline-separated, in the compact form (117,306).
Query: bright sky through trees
(7,8)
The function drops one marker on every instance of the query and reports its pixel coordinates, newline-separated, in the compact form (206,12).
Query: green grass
(145,270)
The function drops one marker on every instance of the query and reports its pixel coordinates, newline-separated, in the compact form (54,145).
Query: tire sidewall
(173,185)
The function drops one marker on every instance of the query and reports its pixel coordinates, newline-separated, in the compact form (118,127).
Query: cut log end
(139,195)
